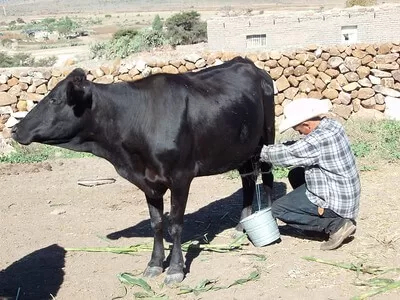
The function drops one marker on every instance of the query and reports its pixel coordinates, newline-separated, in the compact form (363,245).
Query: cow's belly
(225,158)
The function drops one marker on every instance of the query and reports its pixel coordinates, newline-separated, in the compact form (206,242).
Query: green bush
(45,62)
(126,42)
(6,42)
(6,61)
(18,60)
(157,24)
(63,25)
(14,26)
(350,3)
(182,29)
(130,33)
(24,60)
(186,28)
(152,38)
(98,49)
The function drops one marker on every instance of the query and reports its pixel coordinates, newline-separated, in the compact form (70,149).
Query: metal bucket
(261,227)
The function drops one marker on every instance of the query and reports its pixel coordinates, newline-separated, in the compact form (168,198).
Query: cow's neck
(104,132)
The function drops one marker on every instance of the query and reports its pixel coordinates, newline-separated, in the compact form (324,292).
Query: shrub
(45,62)
(98,49)
(186,28)
(152,38)
(130,33)
(157,24)
(126,42)
(6,61)
(350,3)
(64,25)
(24,60)
(6,42)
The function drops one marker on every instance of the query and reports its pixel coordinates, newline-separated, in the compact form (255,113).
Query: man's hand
(264,154)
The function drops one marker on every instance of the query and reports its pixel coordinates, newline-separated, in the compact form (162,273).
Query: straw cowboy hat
(301,110)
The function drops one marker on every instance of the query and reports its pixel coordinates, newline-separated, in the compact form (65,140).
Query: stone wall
(358,78)
(289,30)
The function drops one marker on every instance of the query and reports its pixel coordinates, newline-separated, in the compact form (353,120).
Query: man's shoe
(337,238)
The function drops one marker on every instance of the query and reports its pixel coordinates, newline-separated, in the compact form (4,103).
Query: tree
(186,28)
(350,3)
(157,24)
(65,25)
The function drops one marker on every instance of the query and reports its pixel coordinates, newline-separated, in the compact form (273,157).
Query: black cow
(162,131)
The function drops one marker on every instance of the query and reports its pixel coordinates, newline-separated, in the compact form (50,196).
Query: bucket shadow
(37,275)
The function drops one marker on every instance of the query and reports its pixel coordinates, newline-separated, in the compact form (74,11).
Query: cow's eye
(54,101)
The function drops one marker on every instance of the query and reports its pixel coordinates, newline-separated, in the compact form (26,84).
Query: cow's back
(205,122)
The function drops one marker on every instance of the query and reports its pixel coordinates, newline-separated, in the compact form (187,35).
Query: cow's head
(60,116)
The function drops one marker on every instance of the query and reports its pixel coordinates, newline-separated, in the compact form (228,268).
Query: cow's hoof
(174,278)
(237,232)
(152,271)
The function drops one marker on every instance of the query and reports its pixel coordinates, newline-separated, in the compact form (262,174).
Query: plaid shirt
(332,179)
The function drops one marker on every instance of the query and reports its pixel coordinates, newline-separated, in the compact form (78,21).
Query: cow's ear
(78,89)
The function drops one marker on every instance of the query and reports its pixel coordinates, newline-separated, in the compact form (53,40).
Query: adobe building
(283,30)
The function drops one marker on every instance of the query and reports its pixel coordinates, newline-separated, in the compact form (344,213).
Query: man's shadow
(37,275)
(204,224)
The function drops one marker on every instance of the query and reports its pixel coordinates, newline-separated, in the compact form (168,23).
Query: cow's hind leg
(268,181)
(155,266)
(248,175)
(179,197)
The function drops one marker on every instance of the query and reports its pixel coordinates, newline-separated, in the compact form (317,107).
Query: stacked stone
(352,77)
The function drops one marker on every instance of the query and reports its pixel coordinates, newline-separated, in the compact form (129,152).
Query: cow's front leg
(179,197)
(156,208)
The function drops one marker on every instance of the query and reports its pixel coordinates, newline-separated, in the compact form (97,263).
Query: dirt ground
(43,210)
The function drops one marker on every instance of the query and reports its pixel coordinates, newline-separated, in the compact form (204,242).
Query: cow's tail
(268,101)
(268,95)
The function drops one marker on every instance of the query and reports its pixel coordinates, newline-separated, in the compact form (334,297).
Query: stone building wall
(291,30)
(363,78)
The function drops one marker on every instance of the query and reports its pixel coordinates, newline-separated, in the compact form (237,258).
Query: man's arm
(298,154)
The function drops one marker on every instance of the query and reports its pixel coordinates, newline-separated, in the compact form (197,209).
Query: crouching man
(323,173)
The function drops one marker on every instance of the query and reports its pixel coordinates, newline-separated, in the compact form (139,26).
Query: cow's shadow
(204,224)
(37,275)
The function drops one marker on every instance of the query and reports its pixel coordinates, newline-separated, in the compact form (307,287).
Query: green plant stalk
(118,250)
(208,285)
(383,289)
(384,284)
(357,268)
(188,246)
(129,279)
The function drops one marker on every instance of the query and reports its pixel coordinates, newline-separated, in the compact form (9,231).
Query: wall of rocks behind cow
(354,78)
